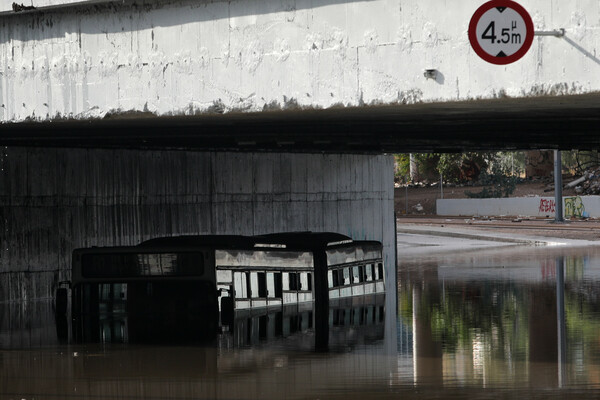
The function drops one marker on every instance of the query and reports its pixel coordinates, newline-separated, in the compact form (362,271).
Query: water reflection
(527,320)
(27,325)
(264,354)
(349,322)
(475,325)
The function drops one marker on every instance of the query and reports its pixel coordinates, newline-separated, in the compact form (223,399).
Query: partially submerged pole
(558,215)
(561,321)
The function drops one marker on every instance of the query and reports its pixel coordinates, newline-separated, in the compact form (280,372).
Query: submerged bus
(203,282)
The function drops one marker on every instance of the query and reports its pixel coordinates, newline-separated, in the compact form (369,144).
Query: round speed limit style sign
(501,31)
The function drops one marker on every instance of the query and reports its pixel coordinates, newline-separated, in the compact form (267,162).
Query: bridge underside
(562,122)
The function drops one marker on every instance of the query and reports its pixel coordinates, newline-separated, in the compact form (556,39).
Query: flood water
(497,323)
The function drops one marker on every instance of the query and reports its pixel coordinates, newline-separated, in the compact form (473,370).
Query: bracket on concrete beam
(556,33)
(431,73)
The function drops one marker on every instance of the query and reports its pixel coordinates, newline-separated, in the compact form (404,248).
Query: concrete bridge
(132,119)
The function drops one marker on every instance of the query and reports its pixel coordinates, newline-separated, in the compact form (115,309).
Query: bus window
(223,276)
(128,265)
(254,292)
(356,275)
(190,264)
(369,272)
(309,282)
(248,285)
(336,278)
(262,285)
(346,276)
(286,281)
(330,279)
(294,281)
(291,281)
(241,286)
(112,297)
(303,281)
(278,286)
(380,270)
(270,285)
(105,289)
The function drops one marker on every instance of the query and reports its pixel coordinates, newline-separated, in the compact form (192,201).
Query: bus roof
(292,240)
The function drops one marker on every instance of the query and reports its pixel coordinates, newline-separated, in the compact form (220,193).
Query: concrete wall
(186,56)
(6,6)
(27,324)
(55,200)
(574,206)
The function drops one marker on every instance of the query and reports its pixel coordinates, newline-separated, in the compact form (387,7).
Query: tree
(539,163)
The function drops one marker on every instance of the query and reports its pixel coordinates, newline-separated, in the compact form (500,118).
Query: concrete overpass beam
(182,57)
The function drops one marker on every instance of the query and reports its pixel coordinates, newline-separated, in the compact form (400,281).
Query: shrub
(496,184)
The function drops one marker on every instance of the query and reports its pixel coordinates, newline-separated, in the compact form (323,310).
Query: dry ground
(574,229)
(426,196)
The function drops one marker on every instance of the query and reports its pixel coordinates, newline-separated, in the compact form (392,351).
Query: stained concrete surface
(55,200)
(566,122)
(27,324)
(183,57)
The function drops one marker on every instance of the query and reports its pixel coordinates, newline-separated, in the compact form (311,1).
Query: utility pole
(413,168)
(561,321)
(558,215)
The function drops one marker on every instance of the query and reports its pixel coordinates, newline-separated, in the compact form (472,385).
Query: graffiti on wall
(574,207)
(547,206)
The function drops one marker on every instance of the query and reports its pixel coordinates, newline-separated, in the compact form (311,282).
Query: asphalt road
(427,235)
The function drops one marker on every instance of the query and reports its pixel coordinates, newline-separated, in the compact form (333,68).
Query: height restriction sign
(501,31)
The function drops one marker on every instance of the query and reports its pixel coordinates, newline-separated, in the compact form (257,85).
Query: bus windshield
(131,265)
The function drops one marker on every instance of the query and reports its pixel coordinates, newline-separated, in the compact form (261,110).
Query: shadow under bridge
(550,122)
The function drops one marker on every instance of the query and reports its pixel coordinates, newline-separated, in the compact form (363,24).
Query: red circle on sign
(528,36)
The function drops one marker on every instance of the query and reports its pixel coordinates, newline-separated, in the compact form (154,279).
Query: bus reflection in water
(351,323)
(251,288)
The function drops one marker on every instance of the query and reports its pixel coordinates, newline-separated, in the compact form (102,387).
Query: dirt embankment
(408,199)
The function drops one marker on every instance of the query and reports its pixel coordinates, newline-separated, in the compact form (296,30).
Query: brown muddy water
(515,322)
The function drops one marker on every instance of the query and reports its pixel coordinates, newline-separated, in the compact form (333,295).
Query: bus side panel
(355,252)
(264,259)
